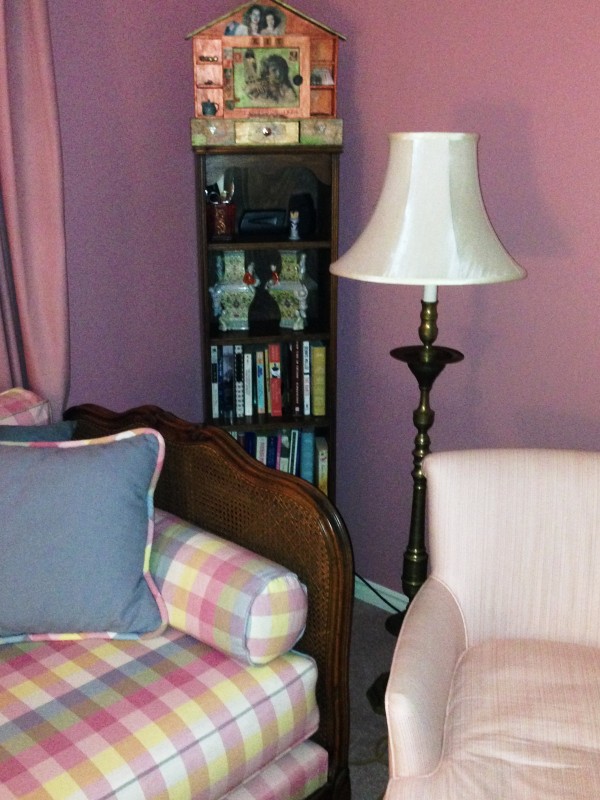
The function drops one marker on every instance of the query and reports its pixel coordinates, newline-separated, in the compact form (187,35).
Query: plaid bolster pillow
(224,595)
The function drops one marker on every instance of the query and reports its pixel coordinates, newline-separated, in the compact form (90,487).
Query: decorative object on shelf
(289,290)
(233,293)
(220,213)
(429,228)
(268,60)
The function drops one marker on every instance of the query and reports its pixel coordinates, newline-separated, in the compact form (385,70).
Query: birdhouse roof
(276,3)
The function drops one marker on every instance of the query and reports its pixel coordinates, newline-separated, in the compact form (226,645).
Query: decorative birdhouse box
(265,60)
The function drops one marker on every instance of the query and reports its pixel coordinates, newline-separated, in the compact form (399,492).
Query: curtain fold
(34,350)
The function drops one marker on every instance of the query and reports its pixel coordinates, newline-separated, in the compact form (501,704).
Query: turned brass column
(425,361)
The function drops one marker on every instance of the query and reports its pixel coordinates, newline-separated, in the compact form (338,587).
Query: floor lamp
(429,228)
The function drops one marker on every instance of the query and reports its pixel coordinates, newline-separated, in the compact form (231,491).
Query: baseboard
(396,600)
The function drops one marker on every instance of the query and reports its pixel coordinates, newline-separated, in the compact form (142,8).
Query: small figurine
(274,276)
(249,276)
(294,226)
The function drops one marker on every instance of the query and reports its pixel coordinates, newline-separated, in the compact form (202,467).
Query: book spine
(250,443)
(227,382)
(294,451)
(321,463)
(306,378)
(214,380)
(284,455)
(296,376)
(318,358)
(260,382)
(267,381)
(275,379)
(272,450)
(261,447)
(307,455)
(248,383)
(239,380)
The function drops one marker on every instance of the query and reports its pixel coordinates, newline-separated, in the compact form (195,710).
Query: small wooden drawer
(321,131)
(210,130)
(266,131)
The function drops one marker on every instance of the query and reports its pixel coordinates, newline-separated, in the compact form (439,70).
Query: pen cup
(221,221)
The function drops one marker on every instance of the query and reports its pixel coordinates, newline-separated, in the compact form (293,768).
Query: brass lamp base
(426,361)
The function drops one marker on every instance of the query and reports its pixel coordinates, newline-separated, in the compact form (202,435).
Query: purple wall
(524,76)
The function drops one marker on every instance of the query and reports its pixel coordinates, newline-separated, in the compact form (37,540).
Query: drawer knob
(267,131)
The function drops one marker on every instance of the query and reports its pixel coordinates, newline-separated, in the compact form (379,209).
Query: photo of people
(266,77)
(258,21)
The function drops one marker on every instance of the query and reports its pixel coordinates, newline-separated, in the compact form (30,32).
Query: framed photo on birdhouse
(266,76)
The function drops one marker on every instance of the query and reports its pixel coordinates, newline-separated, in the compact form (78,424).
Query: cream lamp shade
(430,226)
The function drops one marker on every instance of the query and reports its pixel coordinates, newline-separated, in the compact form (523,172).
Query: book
(321,463)
(250,443)
(307,455)
(248,383)
(284,453)
(261,447)
(238,360)
(214,380)
(272,450)
(296,377)
(261,406)
(267,381)
(318,389)
(306,378)
(226,383)
(294,451)
(275,379)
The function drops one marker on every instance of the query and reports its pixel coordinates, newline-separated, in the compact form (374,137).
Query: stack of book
(273,380)
(298,451)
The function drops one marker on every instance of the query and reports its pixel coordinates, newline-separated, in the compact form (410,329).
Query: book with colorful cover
(307,455)
(275,390)
(318,389)
(214,380)
(248,383)
(261,401)
(321,463)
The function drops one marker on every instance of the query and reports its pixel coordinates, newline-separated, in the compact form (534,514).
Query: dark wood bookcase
(264,184)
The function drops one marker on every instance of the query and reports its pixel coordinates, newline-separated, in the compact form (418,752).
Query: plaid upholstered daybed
(221,701)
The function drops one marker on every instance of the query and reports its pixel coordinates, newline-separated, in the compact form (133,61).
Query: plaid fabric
(165,718)
(22,407)
(292,777)
(224,595)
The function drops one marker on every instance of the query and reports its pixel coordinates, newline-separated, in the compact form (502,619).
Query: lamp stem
(426,362)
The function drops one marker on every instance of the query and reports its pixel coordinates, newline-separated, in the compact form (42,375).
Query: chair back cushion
(515,535)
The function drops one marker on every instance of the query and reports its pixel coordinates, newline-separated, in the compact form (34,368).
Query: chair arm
(430,643)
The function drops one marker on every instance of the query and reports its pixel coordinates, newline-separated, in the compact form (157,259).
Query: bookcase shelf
(250,283)
(267,144)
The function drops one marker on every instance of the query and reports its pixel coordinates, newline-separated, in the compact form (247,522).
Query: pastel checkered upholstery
(226,596)
(165,718)
(22,407)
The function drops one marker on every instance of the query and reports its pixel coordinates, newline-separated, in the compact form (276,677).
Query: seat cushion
(139,718)
(523,721)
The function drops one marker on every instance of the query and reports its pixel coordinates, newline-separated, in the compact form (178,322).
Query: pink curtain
(33,285)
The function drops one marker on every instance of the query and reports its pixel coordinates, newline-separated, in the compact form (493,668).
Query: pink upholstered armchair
(494,689)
